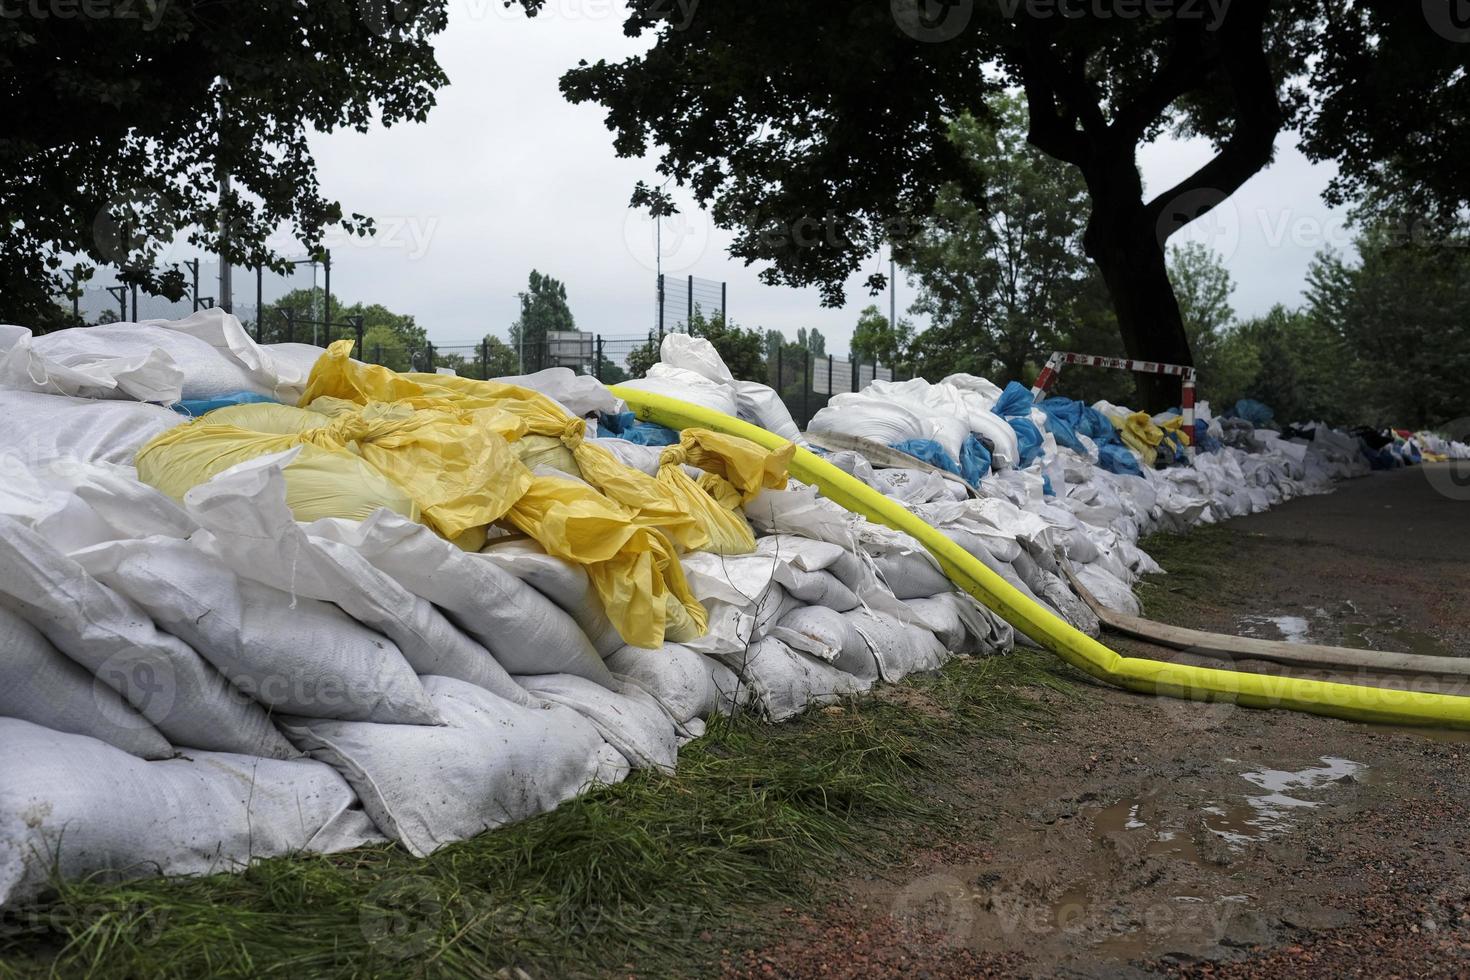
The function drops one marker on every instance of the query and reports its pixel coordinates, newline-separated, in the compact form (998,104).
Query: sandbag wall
(235,628)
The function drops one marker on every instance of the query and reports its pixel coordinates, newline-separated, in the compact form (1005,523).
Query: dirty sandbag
(71,365)
(899,648)
(819,588)
(250,528)
(785,683)
(912,574)
(829,636)
(491,763)
(679,678)
(40,427)
(564,583)
(186,699)
(79,808)
(40,684)
(292,654)
(524,631)
(627,717)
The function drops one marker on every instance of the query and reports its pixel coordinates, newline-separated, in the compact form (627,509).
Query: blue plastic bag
(1115,458)
(195,407)
(974,460)
(930,452)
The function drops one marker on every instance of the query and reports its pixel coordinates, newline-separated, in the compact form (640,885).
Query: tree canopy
(120,120)
(823,140)
(543,309)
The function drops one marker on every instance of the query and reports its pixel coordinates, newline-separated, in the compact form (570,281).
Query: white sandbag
(681,680)
(862,417)
(11,334)
(491,763)
(785,683)
(829,636)
(525,631)
(629,719)
(75,504)
(223,331)
(962,625)
(252,530)
(40,684)
(185,698)
(91,811)
(1110,591)
(564,583)
(687,386)
(68,364)
(579,394)
(819,588)
(912,575)
(205,371)
(760,405)
(41,427)
(293,654)
(644,459)
(899,648)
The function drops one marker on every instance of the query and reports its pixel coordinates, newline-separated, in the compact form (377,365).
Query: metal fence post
(290,325)
(597,364)
(660,308)
(689,319)
(259,308)
(430,368)
(854,372)
(327,288)
(357,328)
(485,359)
(806,387)
(377,353)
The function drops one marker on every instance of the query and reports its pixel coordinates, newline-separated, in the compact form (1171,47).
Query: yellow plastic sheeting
(735,471)
(633,568)
(1139,434)
(678,507)
(1351,701)
(458,475)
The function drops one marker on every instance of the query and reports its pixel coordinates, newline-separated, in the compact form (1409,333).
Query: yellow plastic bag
(1139,434)
(458,474)
(633,568)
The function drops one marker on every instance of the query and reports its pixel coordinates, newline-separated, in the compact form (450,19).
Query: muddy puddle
(1118,879)
(1346,625)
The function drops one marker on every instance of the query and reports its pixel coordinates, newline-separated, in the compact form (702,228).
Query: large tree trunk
(1133,265)
(1129,252)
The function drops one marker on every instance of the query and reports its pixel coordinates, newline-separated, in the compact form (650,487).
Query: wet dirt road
(1140,836)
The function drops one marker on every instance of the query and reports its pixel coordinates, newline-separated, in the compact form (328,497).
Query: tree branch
(1258,117)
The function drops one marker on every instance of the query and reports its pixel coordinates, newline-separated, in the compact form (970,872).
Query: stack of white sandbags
(217,682)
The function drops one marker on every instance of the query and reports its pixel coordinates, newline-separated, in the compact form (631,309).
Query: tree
(875,339)
(742,349)
(119,129)
(811,340)
(1400,323)
(817,161)
(996,278)
(1203,286)
(543,309)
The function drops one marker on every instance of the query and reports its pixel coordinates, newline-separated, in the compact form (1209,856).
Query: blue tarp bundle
(1067,418)
(1256,413)
(195,407)
(1014,405)
(625,425)
(972,467)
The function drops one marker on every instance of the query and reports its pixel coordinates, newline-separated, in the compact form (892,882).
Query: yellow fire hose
(1351,701)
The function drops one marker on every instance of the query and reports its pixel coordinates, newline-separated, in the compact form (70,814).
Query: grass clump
(633,872)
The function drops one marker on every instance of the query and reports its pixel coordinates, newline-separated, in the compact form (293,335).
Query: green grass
(756,814)
(1208,565)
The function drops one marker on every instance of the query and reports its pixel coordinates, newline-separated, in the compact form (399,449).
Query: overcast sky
(506,176)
